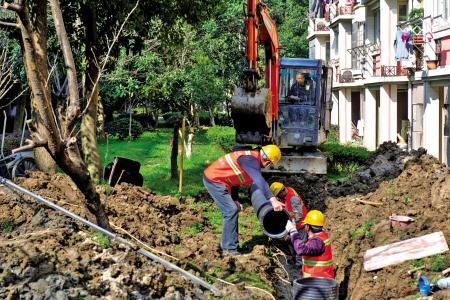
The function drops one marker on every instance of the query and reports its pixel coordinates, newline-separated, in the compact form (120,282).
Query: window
(312,50)
(446,9)
(357,40)
(327,50)
(402,12)
(376,26)
(336,44)
(442,7)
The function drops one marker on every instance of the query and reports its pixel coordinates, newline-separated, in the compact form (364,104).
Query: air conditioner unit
(357,74)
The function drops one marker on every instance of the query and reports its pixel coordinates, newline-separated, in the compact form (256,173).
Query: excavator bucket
(251,114)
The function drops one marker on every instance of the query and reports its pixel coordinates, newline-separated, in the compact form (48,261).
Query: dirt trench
(406,183)
(44,255)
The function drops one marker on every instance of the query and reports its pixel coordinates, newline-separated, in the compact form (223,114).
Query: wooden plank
(396,253)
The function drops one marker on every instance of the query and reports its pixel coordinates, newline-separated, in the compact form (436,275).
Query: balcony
(340,12)
(318,26)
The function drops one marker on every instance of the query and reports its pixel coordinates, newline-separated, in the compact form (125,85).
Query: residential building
(391,64)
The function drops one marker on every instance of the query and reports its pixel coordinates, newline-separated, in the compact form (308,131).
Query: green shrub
(147,121)
(204,118)
(220,119)
(223,136)
(333,135)
(119,128)
(223,119)
(344,159)
(439,262)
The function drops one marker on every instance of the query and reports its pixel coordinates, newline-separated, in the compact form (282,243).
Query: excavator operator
(299,91)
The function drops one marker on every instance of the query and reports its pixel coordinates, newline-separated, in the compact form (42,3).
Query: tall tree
(53,131)
(89,121)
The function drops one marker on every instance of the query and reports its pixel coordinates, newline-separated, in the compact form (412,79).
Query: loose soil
(44,255)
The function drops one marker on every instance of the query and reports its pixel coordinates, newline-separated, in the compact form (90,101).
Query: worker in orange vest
(317,256)
(239,168)
(292,201)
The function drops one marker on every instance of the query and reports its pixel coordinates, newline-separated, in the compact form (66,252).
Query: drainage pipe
(168,265)
(273,223)
(315,288)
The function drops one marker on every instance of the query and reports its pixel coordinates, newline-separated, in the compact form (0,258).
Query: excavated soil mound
(384,164)
(422,191)
(45,255)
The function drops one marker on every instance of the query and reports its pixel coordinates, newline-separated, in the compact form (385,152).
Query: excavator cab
(299,103)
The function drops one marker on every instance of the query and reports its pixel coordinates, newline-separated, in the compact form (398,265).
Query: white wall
(388,114)
(431,126)
(345,116)
(370,114)
(335,109)
(388,28)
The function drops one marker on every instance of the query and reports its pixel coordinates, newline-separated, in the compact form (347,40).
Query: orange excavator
(296,121)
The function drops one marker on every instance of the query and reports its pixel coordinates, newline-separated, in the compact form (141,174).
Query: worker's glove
(277,205)
(290,227)
(239,205)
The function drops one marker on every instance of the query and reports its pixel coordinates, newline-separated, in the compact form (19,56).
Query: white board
(396,253)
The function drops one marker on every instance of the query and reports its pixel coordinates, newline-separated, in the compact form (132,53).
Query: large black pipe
(273,223)
(314,288)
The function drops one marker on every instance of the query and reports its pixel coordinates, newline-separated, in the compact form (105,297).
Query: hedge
(223,136)
(119,128)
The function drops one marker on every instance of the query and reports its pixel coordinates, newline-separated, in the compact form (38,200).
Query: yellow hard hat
(273,153)
(315,218)
(276,188)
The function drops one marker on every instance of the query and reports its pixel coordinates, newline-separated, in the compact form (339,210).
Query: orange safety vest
(227,171)
(290,192)
(322,265)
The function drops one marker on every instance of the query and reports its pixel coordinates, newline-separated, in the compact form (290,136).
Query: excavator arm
(255,109)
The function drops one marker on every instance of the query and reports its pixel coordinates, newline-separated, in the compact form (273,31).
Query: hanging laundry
(317,8)
(349,2)
(403,45)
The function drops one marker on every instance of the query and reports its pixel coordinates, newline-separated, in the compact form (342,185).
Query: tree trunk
(189,142)
(129,124)
(89,120)
(38,41)
(100,118)
(174,155)
(211,117)
(46,129)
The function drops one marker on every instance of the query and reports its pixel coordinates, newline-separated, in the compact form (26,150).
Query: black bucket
(273,223)
(315,288)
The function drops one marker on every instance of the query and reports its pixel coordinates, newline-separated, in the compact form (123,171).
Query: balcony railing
(321,25)
(345,10)
(390,71)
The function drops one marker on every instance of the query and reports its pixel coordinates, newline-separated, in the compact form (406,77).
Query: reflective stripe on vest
(226,169)
(322,265)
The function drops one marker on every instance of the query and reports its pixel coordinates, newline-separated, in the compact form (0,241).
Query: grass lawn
(153,150)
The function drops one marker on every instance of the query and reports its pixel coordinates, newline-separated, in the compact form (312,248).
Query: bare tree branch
(74,98)
(31,144)
(16,7)
(9,24)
